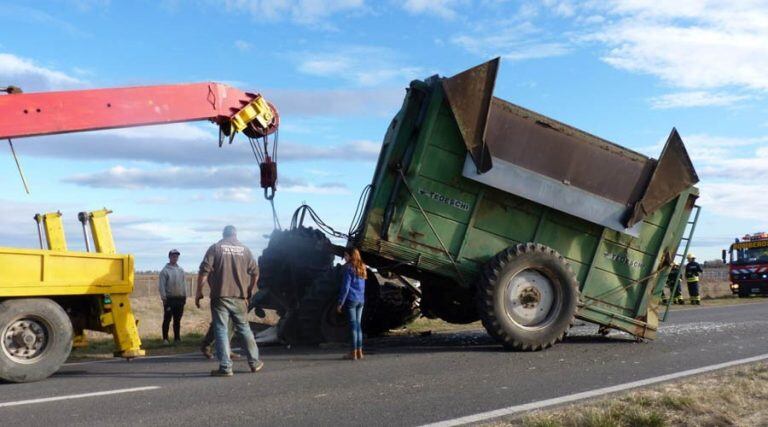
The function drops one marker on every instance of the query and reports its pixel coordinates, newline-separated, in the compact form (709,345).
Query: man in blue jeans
(227,266)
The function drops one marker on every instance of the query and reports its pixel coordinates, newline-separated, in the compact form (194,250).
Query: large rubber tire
(744,292)
(388,305)
(289,264)
(536,281)
(49,330)
(318,320)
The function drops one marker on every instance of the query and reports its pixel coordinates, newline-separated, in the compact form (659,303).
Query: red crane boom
(48,113)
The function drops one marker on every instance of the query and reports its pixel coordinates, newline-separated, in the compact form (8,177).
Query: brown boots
(354,355)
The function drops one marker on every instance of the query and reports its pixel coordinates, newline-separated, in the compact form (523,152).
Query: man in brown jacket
(231,272)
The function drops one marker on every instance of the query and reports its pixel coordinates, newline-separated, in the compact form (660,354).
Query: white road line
(77,396)
(484,416)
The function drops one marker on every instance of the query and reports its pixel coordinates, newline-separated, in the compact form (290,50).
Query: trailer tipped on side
(511,217)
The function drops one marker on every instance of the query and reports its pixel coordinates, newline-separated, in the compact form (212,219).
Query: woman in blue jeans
(352,298)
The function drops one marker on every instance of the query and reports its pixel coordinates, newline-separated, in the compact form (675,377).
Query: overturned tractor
(298,279)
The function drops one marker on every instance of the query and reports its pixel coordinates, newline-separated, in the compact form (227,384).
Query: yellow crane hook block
(257,110)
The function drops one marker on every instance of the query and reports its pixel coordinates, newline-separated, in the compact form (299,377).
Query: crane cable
(18,166)
(264,157)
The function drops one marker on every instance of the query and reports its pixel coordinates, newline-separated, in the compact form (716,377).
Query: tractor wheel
(35,339)
(527,297)
(317,317)
(388,305)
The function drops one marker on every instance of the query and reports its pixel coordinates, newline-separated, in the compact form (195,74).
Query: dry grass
(734,397)
(422,324)
(149,312)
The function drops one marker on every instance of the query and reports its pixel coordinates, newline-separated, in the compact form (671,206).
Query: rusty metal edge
(471,107)
(673,173)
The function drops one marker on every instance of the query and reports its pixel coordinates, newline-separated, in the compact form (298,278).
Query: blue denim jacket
(352,287)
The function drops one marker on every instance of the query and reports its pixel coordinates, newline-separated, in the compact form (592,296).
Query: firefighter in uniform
(692,272)
(675,292)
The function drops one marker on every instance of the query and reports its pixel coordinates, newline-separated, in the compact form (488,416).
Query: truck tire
(744,292)
(35,339)
(527,297)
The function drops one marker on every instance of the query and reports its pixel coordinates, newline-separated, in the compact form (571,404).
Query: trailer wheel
(527,297)
(35,339)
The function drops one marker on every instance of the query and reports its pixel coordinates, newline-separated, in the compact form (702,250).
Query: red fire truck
(748,265)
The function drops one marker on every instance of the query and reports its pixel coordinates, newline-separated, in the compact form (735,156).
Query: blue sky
(626,70)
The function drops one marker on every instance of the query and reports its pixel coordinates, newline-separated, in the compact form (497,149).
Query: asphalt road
(403,381)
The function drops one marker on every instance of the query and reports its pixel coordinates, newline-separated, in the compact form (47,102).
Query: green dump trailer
(525,223)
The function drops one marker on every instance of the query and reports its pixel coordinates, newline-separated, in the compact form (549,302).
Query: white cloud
(445,9)
(736,201)
(361,65)
(355,150)
(176,131)
(157,200)
(29,76)
(249,195)
(517,38)
(338,102)
(689,44)
(236,194)
(696,99)
(564,8)
(242,45)
(331,188)
(232,184)
(180,144)
(312,12)
(173,177)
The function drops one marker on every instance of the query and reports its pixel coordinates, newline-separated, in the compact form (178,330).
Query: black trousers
(693,290)
(173,308)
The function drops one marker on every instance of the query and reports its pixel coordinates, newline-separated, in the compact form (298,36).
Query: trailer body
(463,176)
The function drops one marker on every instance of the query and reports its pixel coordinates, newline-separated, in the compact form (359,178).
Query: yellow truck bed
(48,297)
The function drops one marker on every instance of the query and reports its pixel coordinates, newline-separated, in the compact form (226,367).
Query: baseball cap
(174,252)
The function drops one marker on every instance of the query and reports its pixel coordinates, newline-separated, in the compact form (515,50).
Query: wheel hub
(529,298)
(24,340)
